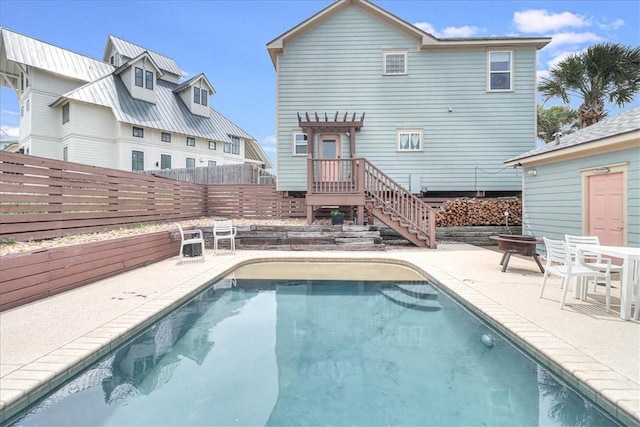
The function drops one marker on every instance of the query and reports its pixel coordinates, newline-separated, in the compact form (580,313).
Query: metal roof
(168,114)
(622,123)
(131,50)
(34,53)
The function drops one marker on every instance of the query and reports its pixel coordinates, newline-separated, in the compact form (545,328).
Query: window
(410,140)
(232,147)
(395,63)
(137,161)
(203,97)
(165,161)
(65,113)
(300,144)
(148,83)
(165,137)
(28,105)
(235,145)
(196,95)
(500,70)
(212,145)
(191,142)
(211,163)
(191,162)
(21,110)
(139,76)
(138,132)
(65,154)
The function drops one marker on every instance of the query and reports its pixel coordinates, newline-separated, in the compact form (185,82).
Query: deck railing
(359,176)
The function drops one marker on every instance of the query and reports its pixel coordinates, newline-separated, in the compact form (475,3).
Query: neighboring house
(129,111)
(585,183)
(436,116)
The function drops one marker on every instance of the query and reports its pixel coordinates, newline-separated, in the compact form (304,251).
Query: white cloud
(572,39)
(464,31)
(541,21)
(425,26)
(9,112)
(540,74)
(611,26)
(268,144)
(560,56)
(11,132)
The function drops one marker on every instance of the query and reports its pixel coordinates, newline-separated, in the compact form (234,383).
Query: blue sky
(227,40)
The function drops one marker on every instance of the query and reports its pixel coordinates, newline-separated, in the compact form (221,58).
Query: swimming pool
(312,352)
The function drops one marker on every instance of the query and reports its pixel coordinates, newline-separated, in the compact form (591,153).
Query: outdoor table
(517,244)
(630,257)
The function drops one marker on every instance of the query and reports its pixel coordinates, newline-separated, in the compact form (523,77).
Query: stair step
(401,298)
(421,291)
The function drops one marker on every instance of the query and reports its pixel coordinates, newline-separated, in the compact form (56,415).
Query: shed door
(606,208)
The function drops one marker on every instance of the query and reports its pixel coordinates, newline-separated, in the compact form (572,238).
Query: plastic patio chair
(561,263)
(224,230)
(595,261)
(190,237)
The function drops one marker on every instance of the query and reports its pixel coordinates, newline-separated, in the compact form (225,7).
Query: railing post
(310,175)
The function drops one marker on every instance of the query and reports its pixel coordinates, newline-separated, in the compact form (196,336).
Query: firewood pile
(468,212)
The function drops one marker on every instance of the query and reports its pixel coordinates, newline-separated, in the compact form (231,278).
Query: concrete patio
(46,342)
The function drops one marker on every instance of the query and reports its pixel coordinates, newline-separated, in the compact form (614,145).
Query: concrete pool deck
(45,342)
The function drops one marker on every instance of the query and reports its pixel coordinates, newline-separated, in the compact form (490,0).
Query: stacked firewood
(468,212)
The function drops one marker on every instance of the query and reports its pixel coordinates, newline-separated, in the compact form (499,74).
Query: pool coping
(615,394)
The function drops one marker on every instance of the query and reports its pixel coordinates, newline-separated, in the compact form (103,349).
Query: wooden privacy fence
(252,201)
(44,198)
(223,174)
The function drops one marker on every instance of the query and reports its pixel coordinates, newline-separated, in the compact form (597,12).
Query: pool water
(311,353)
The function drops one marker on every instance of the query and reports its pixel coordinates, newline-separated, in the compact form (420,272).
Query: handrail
(359,176)
(398,202)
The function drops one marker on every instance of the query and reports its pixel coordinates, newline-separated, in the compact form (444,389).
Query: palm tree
(603,73)
(555,119)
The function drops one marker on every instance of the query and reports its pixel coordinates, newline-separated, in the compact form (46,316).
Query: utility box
(414,184)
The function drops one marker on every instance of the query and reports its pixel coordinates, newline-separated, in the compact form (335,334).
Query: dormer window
(148,82)
(144,78)
(200,96)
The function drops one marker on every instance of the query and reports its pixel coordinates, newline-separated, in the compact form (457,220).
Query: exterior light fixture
(532,172)
(601,171)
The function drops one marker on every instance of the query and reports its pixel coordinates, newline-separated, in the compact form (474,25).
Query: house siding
(552,206)
(337,66)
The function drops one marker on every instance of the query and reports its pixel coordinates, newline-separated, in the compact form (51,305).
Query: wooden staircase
(400,210)
(357,182)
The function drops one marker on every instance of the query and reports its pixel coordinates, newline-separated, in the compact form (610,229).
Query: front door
(330,149)
(606,208)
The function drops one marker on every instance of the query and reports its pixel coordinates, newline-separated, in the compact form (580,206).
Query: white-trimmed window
(165,137)
(211,163)
(500,72)
(65,153)
(212,145)
(65,113)
(165,161)
(137,161)
(232,147)
(191,162)
(394,63)
(148,83)
(409,140)
(191,141)
(138,132)
(139,72)
(204,95)
(196,95)
(300,144)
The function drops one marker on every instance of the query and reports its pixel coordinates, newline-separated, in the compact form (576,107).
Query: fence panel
(44,198)
(252,201)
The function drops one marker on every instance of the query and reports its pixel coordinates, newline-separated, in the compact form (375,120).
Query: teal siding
(553,198)
(337,66)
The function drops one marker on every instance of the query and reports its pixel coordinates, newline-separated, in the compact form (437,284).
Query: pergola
(318,126)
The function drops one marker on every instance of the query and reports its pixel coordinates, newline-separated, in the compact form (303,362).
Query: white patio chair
(560,263)
(224,230)
(591,260)
(190,237)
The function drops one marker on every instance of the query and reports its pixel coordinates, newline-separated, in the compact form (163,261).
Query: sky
(226,39)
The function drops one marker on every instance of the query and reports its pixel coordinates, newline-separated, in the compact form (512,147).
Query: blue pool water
(315,353)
